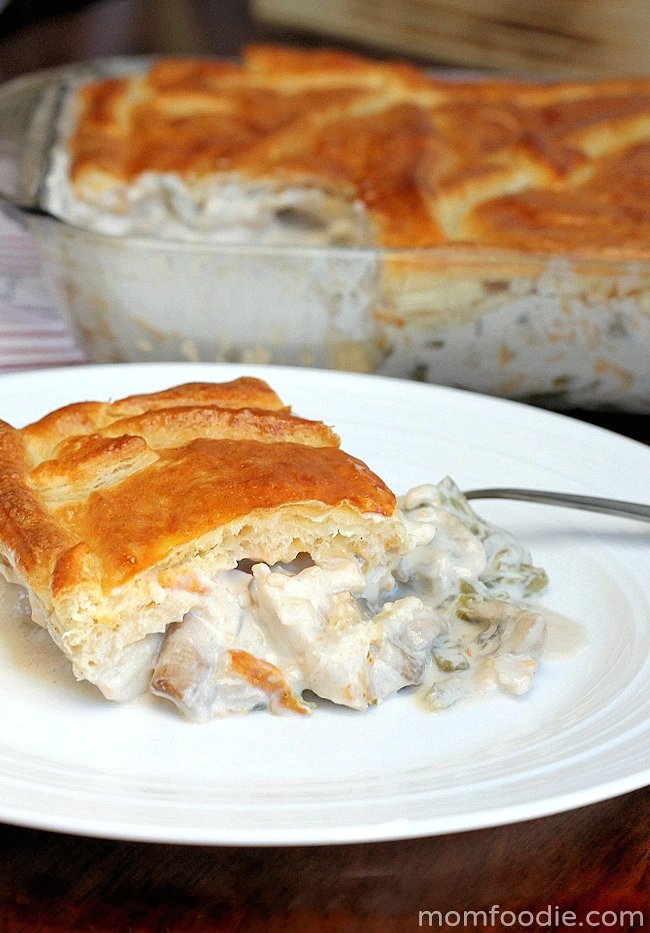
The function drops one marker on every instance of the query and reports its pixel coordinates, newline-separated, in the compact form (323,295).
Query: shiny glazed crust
(487,163)
(112,513)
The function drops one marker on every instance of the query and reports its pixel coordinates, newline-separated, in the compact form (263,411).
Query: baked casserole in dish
(319,208)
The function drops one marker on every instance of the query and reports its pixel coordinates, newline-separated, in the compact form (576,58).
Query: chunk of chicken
(261,639)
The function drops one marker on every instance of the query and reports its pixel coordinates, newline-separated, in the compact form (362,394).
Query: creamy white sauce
(311,627)
(565,637)
(26,646)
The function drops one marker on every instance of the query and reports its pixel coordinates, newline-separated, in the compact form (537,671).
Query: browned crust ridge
(95,493)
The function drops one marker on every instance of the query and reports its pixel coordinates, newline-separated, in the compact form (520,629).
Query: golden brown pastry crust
(485,163)
(108,508)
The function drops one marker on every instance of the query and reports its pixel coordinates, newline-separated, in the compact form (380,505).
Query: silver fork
(586,503)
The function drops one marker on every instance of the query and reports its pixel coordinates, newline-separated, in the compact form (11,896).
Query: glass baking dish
(561,331)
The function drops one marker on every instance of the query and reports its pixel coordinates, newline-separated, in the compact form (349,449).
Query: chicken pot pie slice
(208,544)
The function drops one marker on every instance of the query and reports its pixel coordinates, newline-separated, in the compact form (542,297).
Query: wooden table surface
(587,868)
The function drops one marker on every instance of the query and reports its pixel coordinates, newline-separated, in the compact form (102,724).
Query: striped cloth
(32,333)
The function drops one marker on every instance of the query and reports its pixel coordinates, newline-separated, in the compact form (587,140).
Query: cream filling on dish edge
(223,209)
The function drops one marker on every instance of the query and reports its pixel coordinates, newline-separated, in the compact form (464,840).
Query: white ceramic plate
(71,761)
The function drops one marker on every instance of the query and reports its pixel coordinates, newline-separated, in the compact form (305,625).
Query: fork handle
(587,503)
